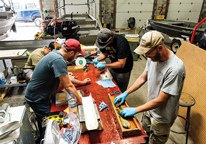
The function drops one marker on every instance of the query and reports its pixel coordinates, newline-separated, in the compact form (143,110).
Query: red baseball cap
(73,44)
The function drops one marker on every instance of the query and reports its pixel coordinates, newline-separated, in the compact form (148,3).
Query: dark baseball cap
(51,45)
(73,44)
(103,38)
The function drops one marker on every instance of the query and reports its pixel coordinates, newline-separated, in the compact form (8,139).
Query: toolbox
(135,128)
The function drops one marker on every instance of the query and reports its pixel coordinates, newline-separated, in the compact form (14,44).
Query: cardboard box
(75,69)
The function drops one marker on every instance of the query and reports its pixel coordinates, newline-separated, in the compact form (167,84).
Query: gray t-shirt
(168,77)
(45,78)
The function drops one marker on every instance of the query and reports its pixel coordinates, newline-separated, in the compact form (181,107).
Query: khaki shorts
(159,132)
(27,73)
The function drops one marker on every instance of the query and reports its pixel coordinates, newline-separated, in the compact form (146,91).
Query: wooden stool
(188,101)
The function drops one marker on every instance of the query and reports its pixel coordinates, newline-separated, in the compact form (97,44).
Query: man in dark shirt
(46,77)
(116,47)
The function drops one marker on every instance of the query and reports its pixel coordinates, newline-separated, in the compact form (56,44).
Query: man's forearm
(138,83)
(114,65)
(75,81)
(158,102)
(101,56)
(71,88)
(149,105)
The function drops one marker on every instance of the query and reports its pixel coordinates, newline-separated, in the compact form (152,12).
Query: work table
(110,132)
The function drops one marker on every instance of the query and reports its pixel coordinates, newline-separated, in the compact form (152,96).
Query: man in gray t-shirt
(48,73)
(165,74)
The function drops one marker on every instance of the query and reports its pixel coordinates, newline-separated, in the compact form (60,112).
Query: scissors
(116,92)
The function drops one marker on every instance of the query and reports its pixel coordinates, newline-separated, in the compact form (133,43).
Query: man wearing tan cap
(165,74)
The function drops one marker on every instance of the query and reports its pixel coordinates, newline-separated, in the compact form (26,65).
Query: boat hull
(177,29)
(6,24)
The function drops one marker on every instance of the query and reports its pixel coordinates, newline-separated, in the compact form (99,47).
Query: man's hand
(86,81)
(70,73)
(95,61)
(121,97)
(69,87)
(100,65)
(128,112)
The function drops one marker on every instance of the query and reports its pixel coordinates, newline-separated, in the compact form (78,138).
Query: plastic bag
(71,135)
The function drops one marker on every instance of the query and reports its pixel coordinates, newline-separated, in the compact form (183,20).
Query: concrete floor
(15,97)
(25,31)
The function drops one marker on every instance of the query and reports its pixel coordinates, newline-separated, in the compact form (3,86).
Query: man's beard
(70,59)
(157,57)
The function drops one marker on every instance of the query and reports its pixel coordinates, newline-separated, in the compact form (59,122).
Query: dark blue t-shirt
(45,81)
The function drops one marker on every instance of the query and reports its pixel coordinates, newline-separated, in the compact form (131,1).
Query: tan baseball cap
(148,41)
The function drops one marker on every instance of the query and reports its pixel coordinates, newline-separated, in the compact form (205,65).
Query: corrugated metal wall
(94,8)
(184,10)
(203,12)
(71,6)
(141,10)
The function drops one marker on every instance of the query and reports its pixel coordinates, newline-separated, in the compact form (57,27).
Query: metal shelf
(13,85)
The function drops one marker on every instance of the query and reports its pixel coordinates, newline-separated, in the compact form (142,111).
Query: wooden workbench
(110,132)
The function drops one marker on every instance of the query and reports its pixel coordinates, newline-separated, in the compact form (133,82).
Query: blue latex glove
(121,97)
(95,61)
(100,65)
(128,112)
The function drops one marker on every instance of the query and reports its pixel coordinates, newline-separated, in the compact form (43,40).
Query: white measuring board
(89,113)
(81,61)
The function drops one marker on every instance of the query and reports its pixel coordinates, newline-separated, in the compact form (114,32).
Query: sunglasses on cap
(65,45)
(69,48)
(152,49)
(100,41)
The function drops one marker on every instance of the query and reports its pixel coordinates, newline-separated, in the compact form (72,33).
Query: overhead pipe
(41,8)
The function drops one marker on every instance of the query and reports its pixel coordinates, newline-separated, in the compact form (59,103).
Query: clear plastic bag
(71,135)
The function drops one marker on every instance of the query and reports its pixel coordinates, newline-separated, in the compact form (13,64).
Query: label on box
(13,79)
